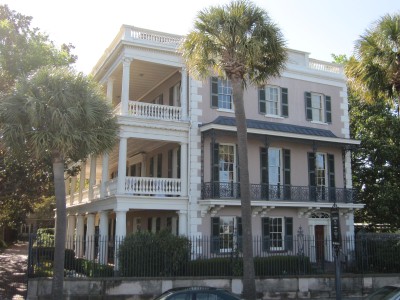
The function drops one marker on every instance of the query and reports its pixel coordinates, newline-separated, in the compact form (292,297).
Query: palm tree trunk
(59,256)
(249,286)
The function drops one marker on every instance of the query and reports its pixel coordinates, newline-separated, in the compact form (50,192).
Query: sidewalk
(13,264)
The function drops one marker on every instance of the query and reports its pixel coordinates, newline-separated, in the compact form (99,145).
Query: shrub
(42,255)
(93,269)
(148,254)
(45,237)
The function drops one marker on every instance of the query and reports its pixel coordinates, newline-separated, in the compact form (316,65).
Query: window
(227,163)
(221,93)
(318,107)
(321,176)
(274,166)
(226,232)
(277,233)
(273,101)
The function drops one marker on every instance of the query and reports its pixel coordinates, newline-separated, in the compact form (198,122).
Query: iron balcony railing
(231,190)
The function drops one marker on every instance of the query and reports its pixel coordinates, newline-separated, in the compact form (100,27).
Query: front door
(319,243)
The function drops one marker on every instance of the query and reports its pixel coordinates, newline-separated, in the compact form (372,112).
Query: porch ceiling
(144,77)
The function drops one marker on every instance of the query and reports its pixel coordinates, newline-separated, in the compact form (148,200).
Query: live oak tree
(61,115)
(237,41)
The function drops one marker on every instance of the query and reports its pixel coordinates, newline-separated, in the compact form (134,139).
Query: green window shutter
(311,176)
(262,106)
(265,234)
(328,109)
(286,174)
(331,176)
(214,243)
(215,170)
(237,163)
(264,173)
(285,102)
(214,92)
(239,231)
(307,96)
(288,234)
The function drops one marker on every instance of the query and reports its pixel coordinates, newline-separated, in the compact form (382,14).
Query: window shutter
(311,176)
(215,170)
(288,234)
(214,243)
(262,106)
(264,173)
(285,102)
(236,185)
(331,176)
(239,232)
(214,92)
(307,96)
(265,234)
(328,110)
(286,174)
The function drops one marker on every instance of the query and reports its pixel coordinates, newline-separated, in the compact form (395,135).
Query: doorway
(320,243)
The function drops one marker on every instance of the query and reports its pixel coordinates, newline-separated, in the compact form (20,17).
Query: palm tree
(239,42)
(374,71)
(60,114)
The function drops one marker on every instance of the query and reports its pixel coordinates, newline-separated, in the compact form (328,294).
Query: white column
(69,243)
(92,177)
(103,237)
(73,188)
(174,226)
(120,233)
(143,169)
(184,99)
(104,175)
(123,142)
(184,169)
(126,66)
(80,225)
(82,178)
(110,89)
(89,254)
(182,222)
(175,163)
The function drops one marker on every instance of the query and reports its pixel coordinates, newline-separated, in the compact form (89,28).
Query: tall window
(221,93)
(273,101)
(226,232)
(321,175)
(276,233)
(227,163)
(317,107)
(274,166)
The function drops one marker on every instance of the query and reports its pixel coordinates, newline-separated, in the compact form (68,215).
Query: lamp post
(336,244)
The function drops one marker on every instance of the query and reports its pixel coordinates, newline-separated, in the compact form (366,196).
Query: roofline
(211,126)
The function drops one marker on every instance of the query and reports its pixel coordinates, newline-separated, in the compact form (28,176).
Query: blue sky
(320,27)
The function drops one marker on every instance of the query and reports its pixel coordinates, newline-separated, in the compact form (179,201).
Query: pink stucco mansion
(175,166)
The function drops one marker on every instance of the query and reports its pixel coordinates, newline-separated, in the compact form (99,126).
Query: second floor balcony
(231,190)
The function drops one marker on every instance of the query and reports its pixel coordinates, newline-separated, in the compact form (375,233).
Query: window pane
(224,94)
(272,100)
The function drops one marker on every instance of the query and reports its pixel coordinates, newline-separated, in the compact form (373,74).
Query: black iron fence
(226,190)
(147,255)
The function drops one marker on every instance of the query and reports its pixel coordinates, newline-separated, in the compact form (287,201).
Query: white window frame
(268,101)
(282,234)
(280,167)
(321,188)
(229,231)
(234,166)
(320,110)
(225,85)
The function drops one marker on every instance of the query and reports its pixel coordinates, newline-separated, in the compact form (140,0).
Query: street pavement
(13,277)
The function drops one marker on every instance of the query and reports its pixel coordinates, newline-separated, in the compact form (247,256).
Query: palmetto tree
(58,113)
(374,71)
(237,41)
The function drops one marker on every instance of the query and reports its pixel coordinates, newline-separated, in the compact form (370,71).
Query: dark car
(197,293)
(389,292)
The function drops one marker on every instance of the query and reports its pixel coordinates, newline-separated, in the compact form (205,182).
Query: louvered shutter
(239,231)
(215,170)
(328,109)
(262,106)
(331,176)
(311,176)
(266,245)
(286,174)
(288,234)
(214,243)
(307,96)
(264,173)
(284,103)
(214,92)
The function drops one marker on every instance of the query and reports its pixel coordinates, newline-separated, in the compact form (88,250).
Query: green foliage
(45,237)
(45,254)
(23,48)
(92,269)
(148,254)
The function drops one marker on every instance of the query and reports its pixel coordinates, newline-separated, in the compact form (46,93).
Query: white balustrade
(154,111)
(325,66)
(153,186)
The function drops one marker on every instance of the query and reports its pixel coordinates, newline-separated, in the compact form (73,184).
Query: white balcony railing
(153,186)
(154,111)
(325,66)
